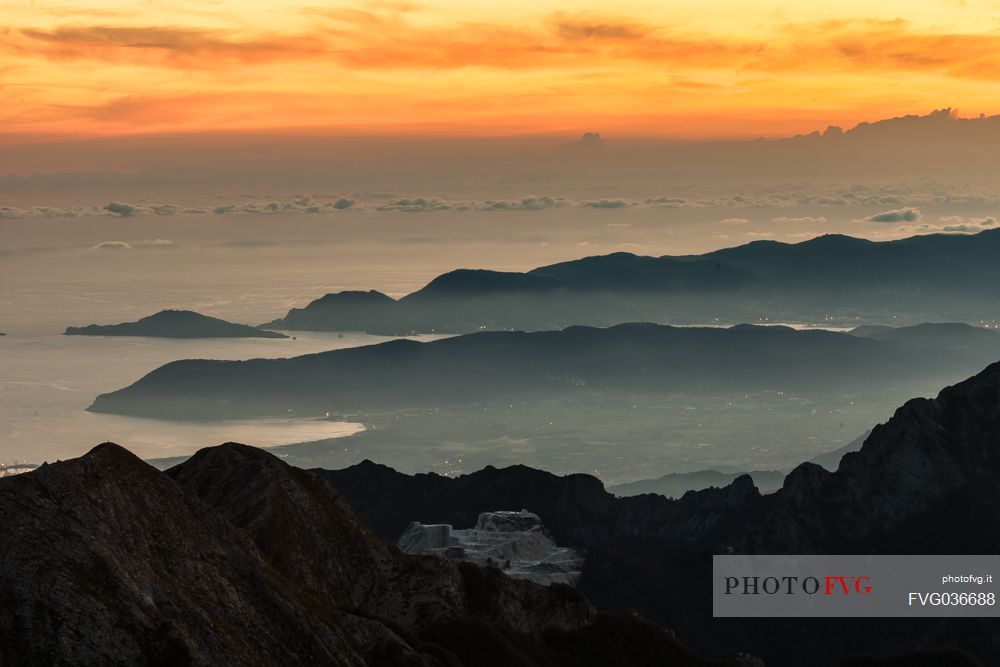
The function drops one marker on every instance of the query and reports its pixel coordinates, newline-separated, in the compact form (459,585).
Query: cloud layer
(898,215)
(462,67)
(883,205)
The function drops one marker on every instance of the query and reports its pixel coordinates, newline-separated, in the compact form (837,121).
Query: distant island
(577,361)
(175,324)
(832,279)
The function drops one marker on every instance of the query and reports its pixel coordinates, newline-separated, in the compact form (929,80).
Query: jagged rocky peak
(123,567)
(933,465)
(514,541)
(309,534)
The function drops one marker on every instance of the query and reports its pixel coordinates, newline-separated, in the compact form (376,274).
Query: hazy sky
(461,67)
(372,109)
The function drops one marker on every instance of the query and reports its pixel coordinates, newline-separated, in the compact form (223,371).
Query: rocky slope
(106,560)
(310,535)
(236,558)
(175,324)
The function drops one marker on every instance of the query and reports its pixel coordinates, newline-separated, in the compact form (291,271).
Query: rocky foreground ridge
(235,558)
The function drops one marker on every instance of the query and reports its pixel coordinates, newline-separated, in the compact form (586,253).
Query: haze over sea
(56,273)
(47,380)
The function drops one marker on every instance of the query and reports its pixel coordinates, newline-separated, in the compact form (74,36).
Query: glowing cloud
(108,67)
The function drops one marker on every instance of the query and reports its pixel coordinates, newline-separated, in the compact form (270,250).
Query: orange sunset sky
(714,68)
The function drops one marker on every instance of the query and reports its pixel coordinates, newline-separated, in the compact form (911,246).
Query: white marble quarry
(516,542)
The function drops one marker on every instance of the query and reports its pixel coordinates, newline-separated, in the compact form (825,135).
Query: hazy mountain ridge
(675,485)
(342,311)
(175,324)
(930,277)
(494,366)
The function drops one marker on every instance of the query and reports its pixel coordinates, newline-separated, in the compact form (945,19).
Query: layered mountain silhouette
(344,311)
(175,324)
(577,361)
(923,278)
(235,558)
(675,485)
(925,482)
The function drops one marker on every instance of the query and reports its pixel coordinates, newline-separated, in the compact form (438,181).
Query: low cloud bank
(899,215)
(952,224)
(893,204)
(802,220)
(132,245)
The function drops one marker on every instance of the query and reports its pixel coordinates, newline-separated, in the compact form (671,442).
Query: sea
(48,380)
(62,272)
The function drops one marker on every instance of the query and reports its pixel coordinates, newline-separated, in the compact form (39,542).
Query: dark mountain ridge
(342,311)
(675,485)
(470,282)
(577,361)
(929,277)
